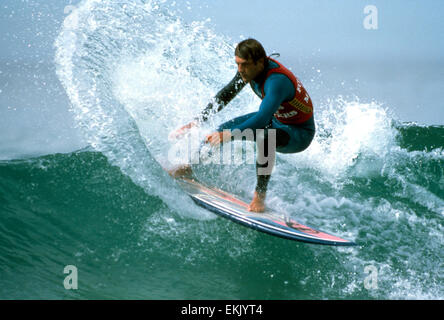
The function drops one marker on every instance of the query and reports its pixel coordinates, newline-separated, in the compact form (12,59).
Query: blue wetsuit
(278,88)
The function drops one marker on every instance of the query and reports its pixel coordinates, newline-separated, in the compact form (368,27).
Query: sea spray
(134,71)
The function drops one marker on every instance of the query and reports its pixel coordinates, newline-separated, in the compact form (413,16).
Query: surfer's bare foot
(181,171)
(258,203)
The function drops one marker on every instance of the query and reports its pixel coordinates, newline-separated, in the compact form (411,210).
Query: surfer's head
(250,58)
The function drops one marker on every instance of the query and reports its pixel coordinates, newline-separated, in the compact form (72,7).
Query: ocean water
(133,71)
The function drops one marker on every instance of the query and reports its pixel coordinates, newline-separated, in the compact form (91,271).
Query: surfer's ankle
(260,195)
(258,202)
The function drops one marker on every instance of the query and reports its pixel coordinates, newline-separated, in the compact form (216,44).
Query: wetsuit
(285,107)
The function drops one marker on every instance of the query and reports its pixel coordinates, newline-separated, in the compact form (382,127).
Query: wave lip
(134,71)
(102,47)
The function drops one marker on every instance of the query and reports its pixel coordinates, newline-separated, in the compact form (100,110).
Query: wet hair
(250,49)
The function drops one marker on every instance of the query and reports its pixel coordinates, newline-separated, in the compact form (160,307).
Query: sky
(406,28)
(335,28)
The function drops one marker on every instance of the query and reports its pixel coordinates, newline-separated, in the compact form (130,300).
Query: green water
(77,209)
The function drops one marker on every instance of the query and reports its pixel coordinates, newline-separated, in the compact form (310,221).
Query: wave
(134,71)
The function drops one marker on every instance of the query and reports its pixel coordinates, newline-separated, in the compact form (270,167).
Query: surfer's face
(248,69)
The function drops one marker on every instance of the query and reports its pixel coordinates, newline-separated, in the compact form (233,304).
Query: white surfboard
(271,222)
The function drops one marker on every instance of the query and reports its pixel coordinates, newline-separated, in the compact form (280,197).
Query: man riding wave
(285,113)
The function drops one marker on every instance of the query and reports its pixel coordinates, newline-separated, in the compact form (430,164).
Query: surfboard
(270,222)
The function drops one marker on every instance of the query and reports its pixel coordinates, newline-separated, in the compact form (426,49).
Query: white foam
(95,64)
(345,130)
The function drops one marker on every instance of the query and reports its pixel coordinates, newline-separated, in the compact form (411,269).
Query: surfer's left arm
(278,88)
(222,98)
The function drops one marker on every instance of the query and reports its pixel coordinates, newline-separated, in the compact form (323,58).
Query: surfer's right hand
(176,134)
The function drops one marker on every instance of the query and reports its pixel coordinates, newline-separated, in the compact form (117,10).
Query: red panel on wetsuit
(300,108)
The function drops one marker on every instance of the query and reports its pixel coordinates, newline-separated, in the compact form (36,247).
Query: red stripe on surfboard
(305,229)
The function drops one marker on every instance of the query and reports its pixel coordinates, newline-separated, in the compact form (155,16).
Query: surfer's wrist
(194,123)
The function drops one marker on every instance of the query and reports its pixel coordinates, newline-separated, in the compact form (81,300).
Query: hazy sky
(406,28)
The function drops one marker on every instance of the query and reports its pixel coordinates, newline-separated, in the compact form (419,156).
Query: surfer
(285,113)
